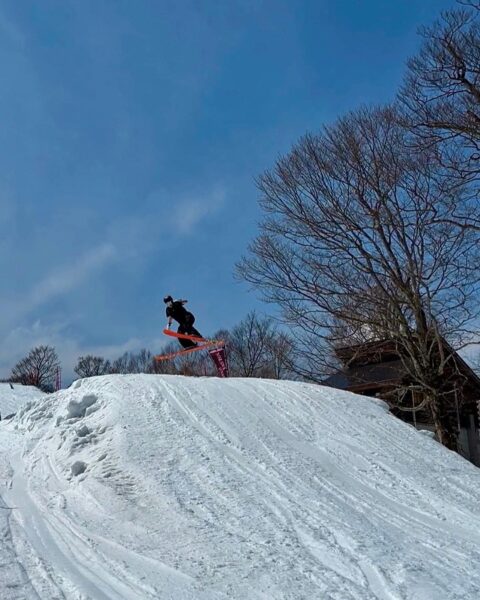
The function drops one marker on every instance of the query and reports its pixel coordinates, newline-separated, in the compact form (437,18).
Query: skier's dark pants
(186,326)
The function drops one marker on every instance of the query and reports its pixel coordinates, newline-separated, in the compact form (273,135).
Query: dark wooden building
(375,369)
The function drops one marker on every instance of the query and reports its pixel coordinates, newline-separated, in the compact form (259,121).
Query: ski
(206,344)
(192,338)
(185,336)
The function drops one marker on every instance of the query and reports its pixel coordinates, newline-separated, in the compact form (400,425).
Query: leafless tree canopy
(441,94)
(257,349)
(358,231)
(131,362)
(90,366)
(38,368)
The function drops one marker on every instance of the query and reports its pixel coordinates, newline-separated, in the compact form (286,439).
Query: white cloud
(68,278)
(127,237)
(189,213)
(164,213)
(58,282)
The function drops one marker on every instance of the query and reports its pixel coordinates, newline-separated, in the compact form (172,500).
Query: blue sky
(131,136)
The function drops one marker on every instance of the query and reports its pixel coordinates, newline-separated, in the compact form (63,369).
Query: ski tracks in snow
(349,524)
(152,487)
(289,486)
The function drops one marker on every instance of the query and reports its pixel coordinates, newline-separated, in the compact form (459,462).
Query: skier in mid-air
(177,312)
(216,348)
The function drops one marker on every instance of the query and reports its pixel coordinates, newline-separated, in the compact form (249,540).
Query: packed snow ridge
(164,487)
(13,395)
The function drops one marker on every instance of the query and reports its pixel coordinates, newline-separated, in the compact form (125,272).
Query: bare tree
(257,349)
(247,345)
(91,366)
(196,364)
(280,357)
(141,362)
(441,97)
(476,364)
(357,230)
(38,368)
(121,364)
(131,362)
(166,367)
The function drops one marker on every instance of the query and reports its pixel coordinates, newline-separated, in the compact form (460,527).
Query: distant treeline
(256,347)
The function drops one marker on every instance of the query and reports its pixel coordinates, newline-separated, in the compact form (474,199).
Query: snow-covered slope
(13,395)
(152,487)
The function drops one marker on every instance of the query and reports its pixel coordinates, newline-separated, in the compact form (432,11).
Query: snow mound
(151,487)
(14,395)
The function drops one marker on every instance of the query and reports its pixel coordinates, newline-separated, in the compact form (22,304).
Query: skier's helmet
(168,299)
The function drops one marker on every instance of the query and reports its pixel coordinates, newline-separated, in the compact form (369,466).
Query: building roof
(373,365)
(370,375)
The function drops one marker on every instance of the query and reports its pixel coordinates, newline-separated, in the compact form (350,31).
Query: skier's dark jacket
(178,312)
